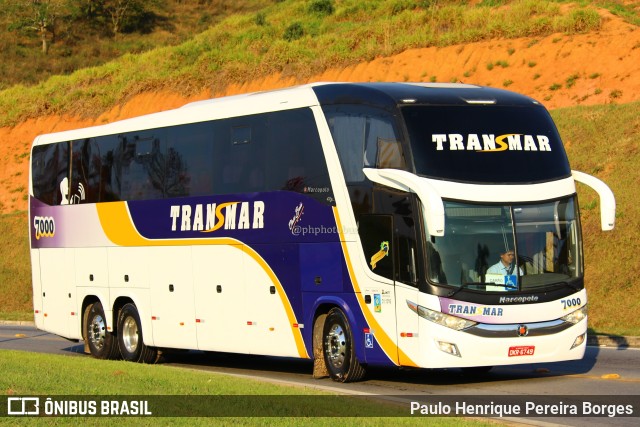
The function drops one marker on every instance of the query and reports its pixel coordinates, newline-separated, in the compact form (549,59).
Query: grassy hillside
(293,37)
(15,268)
(605,141)
(82,35)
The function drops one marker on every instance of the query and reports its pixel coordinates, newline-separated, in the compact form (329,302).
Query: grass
(81,42)
(32,374)
(604,141)
(15,275)
(288,38)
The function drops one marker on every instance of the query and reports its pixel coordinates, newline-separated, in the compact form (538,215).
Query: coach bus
(355,224)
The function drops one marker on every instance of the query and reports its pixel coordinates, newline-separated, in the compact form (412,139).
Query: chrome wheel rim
(97,332)
(130,334)
(336,345)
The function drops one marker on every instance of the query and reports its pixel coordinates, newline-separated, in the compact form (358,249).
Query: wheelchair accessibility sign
(368,340)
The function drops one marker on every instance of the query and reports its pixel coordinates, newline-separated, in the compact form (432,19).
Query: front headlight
(442,319)
(576,316)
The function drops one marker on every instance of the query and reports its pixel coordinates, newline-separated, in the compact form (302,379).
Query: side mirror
(406,181)
(607,199)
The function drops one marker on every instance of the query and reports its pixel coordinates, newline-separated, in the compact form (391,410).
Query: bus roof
(381,95)
(389,95)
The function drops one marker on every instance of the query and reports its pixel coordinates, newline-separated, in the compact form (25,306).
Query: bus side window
(189,160)
(143,165)
(50,173)
(376,234)
(295,160)
(85,172)
(390,154)
(364,137)
(244,162)
(348,133)
(404,248)
(110,168)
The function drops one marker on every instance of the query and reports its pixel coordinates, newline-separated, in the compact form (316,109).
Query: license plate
(522,350)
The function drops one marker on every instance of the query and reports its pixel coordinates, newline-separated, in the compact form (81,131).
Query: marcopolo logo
(489,143)
(44,226)
(293,222)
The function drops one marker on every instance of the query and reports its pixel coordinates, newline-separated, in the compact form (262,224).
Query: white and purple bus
(419,225)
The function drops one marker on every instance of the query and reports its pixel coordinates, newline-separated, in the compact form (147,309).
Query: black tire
(337,345)
(102,343)
(130,338)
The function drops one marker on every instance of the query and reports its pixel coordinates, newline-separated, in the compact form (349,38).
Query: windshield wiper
(572,286)
(464,286)
(485,284)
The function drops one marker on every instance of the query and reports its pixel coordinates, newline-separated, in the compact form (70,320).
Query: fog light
(449,348)
(579,340)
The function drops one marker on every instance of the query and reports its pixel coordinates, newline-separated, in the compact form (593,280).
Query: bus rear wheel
(130,339)
(339,355)
(102,343)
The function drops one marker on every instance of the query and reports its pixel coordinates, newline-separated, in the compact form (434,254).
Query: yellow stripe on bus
(386,343)
(297,334)
(118,227)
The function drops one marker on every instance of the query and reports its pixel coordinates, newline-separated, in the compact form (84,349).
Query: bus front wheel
(130,340)
(102,343)
(339,355)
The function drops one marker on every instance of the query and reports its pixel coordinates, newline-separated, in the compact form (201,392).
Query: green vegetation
(84,33)
(627,10)
(50,375)
(15,268)
(289,37)
(571,80)
(604,141)
(600,140)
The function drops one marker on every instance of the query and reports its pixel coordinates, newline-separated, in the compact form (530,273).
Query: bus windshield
(502,248)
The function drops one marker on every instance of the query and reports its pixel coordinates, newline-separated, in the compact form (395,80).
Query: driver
(506,265)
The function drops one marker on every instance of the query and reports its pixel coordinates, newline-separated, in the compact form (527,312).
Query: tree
(38,16)
(129,15)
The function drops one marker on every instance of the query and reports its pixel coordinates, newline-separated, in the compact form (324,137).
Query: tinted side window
(50,166)
(190,160)
(295,158)
(263,152)
(376,234)
(364,137)
(85,172)
(143,165)
(110,148)
(239,154)
(404,246)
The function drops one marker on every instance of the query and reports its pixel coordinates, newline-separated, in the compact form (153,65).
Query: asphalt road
(604,371)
